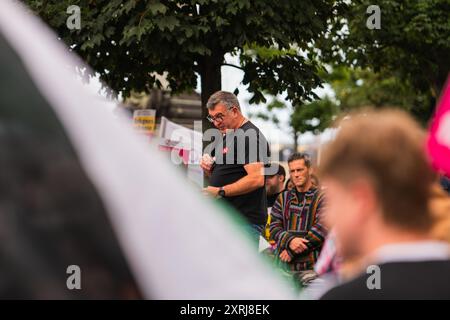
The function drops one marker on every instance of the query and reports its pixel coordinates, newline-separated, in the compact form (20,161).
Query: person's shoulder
(352,290)
(320,193)
(431,281)
(316,192)
(280,199)
(287,193)
(250,126)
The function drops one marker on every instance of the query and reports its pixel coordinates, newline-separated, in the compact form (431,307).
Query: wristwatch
(221,192)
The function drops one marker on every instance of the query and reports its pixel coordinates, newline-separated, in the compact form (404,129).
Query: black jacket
(399,280)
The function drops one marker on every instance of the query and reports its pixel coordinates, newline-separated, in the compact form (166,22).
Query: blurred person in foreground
(379,186)
(296,219)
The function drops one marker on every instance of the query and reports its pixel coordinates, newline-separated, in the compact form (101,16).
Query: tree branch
(232,65)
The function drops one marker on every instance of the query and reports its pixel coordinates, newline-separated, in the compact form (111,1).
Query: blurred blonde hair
(386,147)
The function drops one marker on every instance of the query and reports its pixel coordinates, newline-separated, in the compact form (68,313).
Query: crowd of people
(89,211)
(380,206)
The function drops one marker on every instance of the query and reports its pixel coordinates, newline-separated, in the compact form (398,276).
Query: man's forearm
(244,185)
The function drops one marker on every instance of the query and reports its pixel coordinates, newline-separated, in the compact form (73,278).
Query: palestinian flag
(78,187)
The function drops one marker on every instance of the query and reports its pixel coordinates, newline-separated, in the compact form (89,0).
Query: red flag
(438,144)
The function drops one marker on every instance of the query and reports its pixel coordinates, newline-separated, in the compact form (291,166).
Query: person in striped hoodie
(296,218)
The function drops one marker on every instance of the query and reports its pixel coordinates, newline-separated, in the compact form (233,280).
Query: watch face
(221,192)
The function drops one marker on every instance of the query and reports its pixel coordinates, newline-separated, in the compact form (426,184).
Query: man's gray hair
(224,97)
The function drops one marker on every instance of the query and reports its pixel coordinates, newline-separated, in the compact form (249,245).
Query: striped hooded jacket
(292,217)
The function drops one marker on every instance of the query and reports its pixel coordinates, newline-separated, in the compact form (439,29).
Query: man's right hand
(206,163)
(285,257)
(298,245)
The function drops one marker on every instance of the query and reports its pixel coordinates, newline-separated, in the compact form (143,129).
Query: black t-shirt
(300,195)
(238,148)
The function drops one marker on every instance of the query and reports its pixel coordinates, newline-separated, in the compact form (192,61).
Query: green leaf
(157,7)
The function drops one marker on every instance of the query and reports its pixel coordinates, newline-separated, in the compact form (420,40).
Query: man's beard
(271,190)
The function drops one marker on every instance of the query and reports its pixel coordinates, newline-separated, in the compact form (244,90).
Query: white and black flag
(79,187)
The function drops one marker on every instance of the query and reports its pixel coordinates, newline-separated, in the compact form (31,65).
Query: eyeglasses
(218,117)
